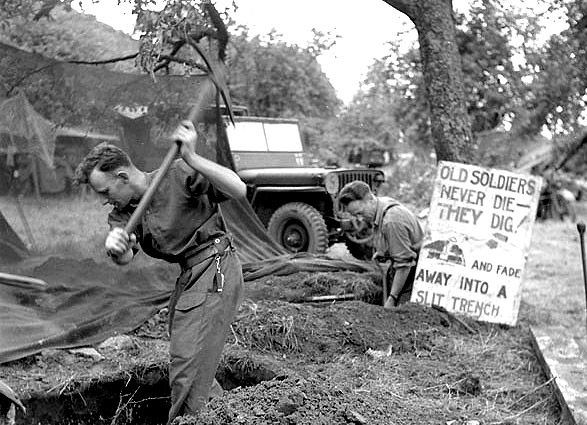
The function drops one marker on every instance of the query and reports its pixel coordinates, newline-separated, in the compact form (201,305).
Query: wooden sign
(475,248)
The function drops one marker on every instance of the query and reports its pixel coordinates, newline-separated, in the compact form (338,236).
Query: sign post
(475,249)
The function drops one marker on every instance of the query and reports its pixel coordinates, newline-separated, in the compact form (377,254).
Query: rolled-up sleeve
(198,185)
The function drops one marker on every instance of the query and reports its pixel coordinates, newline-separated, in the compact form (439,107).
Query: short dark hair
(105,157)
(354,191)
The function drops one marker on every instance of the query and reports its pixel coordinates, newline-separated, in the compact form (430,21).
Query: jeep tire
(299,227)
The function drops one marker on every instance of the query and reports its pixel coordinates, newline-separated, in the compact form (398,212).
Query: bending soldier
(397,235)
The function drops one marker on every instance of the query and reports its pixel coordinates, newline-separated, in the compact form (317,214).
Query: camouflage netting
(87,95)
(137,108)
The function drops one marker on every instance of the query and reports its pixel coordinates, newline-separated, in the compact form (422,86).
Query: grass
(266,331)
(65,226)
(553,288)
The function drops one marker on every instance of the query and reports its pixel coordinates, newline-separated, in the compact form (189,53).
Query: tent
(24,132)
(25,129)
(12,248)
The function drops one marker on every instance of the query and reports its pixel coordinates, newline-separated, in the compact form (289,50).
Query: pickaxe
(205,96)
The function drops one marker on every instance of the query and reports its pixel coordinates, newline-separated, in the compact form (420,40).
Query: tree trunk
(443,76)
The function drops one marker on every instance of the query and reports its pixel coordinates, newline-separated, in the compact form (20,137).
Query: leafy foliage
(489,76)
(31,10)
(394,83)
(165,33)
(369,118)
(67,35)
(509,80)
(278,79)
(558,89)
(411,180)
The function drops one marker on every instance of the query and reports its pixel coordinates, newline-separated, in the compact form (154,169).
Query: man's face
(112,186)
(363,214)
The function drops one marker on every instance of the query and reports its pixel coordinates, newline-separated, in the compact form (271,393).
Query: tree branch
(76,62)
(572,152)
(198,35)
(404,6)
(168,58)
(45,10)
(104,61)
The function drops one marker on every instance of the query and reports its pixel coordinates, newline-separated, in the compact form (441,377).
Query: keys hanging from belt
(218,284)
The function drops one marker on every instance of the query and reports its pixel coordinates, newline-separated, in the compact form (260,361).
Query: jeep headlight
(331,183)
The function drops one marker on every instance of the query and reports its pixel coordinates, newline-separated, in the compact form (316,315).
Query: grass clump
(266,330)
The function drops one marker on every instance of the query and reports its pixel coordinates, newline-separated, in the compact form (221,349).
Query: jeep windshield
(266,142)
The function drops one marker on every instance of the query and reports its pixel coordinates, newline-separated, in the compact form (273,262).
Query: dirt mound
(292,400)
(354,363)
(318,332)
(296,288)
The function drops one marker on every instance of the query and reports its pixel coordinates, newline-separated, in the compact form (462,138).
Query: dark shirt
(183,214)
(398,233)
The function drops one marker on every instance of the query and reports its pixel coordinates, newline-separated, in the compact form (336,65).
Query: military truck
(294,199)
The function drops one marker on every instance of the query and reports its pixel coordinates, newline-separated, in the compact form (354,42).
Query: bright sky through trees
(364,28)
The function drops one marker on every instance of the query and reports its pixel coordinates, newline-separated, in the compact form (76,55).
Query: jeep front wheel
(299,227)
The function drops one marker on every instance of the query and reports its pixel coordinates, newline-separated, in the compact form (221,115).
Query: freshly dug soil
(290,362)
(358,363)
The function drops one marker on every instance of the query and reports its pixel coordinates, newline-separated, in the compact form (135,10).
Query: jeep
(295,200)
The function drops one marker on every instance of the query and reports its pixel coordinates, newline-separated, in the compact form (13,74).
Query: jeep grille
(373,178)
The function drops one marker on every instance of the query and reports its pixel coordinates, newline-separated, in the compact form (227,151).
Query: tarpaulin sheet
(251,239)
(86,302)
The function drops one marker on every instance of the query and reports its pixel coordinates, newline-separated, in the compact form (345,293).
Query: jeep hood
(284,176)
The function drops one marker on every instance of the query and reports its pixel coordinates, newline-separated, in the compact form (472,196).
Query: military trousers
(201,309)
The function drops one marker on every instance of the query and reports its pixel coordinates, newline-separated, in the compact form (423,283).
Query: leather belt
(217,246)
